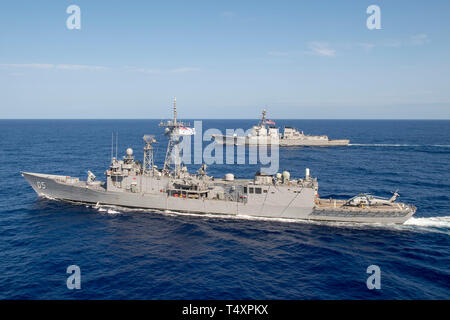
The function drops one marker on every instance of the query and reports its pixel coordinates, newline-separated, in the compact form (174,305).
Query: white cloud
(28,65)
(414,40)
(392,44)
(228,14)
(314,48)
(143,70)
(74,67)
(366,46)
(79,67)
(163,71)
(52,66)
(183,69)
(321,49)
(419,39)
(277,53)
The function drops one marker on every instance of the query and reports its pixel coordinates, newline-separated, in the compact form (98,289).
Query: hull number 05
(41,185)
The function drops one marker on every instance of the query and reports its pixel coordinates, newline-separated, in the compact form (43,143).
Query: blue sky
(225,59)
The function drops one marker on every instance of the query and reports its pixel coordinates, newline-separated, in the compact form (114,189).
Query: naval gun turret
(91,177)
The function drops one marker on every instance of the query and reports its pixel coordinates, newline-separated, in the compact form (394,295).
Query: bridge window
(250,190)
(258,190)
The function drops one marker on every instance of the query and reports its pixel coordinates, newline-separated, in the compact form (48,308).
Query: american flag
(186,131)
(270,122)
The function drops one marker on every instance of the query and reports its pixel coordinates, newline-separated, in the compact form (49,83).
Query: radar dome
(129,152)
(229,177)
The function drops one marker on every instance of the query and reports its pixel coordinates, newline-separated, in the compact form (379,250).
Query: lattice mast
(263,118)
(173,152)
(148,167)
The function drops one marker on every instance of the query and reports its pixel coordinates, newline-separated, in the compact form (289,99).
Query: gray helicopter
(365,199)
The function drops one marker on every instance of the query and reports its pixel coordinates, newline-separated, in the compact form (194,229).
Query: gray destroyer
(130,183)
(265,133)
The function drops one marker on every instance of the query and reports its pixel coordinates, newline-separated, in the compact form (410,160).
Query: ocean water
(142,254)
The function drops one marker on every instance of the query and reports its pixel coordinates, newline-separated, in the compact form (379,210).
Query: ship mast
(175,111)
(263,118)
(173,133)
(148,167)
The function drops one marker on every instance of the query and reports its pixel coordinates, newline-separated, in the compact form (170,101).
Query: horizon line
(194,119)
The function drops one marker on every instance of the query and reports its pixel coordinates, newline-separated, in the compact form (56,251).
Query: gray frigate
(135,184)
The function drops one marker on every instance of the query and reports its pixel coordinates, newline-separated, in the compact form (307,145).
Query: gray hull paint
(364,216)
(300,205)
(237,140)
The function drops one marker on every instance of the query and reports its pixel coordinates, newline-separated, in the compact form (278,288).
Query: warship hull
(313,143)
(303,206)
(54,187)
(239,140)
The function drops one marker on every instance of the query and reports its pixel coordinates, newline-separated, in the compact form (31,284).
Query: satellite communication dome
(229,177)
(129,152)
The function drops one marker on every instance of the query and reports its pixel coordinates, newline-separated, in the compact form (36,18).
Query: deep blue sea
(140,254)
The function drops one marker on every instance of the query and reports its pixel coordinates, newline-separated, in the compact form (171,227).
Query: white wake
(434,222)
(397,145)
(430,224)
